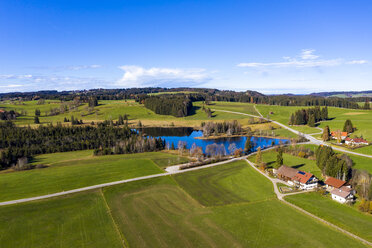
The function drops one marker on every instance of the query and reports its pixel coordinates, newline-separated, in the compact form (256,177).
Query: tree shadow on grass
(298,166)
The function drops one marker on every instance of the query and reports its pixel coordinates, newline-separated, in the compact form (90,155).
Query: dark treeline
(178,106)
(309,116)
(332,164)
(8,115)
(18,142)
(198,94)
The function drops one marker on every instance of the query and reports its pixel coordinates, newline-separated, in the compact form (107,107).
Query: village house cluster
(343,136)
(339,190)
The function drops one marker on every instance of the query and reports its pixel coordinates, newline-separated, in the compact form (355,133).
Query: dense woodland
(309,116)
(332,164)
(18,142)
(178,106)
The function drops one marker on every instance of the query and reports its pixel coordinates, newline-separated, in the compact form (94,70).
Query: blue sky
(276,46)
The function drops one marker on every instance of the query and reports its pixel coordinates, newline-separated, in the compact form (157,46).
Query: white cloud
(11,86)
(307,58)
(83,67)
(357,62)
(308,54)
(136,76)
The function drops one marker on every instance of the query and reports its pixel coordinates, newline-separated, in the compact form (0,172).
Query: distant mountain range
(345,94)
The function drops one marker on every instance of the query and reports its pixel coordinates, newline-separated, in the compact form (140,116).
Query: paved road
(307,136)
(281,198)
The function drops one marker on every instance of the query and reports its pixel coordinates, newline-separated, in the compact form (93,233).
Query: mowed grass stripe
(79,220)
(230,183)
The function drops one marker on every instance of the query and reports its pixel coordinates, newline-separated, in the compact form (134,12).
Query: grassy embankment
(78,169)
(224,206)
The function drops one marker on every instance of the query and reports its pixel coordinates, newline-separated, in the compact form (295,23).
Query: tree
(311,121)
(279,158)
(258,156)
(326,134)
(348,126)
(37,112)
(248,147)
(232,148)
(36,120)
(367,106)
(172,146)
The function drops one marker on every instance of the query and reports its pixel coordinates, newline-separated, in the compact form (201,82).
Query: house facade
(300,179)
(343,135)
(333,183)
(344,195)
(356,141)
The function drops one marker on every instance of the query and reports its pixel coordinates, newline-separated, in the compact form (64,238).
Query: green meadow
(69,171)
(304,164)
(229,205)
(346,217)
(79,220)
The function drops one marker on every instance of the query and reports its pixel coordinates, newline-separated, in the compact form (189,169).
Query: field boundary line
(121,235)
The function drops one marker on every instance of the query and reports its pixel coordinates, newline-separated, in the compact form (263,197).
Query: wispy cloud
(29,82)
(136,76)
(307,58)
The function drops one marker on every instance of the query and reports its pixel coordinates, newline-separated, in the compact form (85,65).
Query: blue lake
(189,136)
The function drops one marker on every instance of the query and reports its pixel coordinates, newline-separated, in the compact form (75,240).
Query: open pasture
(347,217)
(69,174)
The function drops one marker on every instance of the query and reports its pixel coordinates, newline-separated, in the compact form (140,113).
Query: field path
(307,136)
(281,198)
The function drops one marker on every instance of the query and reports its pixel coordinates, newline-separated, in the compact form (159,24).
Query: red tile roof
(334,182)
(343,134)
(302,177)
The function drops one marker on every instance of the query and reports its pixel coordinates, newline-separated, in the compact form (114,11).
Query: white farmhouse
(343,194)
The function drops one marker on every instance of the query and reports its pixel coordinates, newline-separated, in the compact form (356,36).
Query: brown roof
(2,111)
(334,182)
(302,177)
(286,171)
(345,188)
(340,192)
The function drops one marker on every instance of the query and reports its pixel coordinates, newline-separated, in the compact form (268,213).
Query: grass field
(307,165)
(66,174)
(110,110)
(342,215)
(282,115)
(79,220)
(223,185)
(158,213)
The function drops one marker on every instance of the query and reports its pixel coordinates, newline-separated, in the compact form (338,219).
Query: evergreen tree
(37,112)
(172,147)
(291,120)
(258,156)
(36,120)
(311,121)
(279,158)
(326,134)
(248,145)
(367,106)
(348,126)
